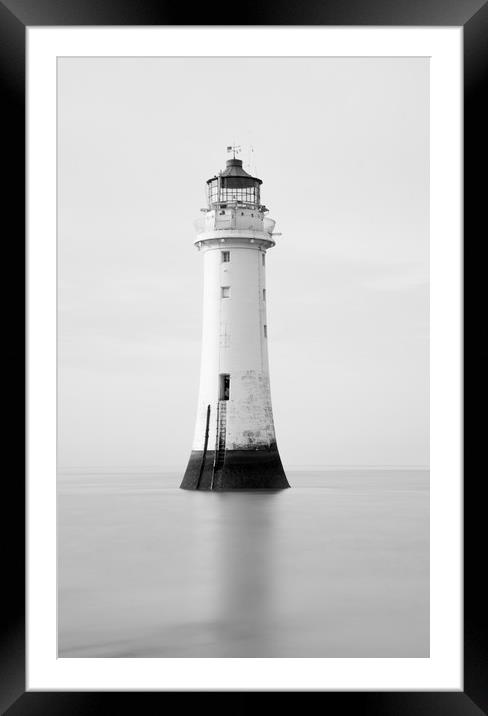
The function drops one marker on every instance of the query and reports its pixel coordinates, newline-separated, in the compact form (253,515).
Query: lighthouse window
(225,291)
(213,192)
(263,258)
(245,195)
(225,257)
(265,331)
(264,294)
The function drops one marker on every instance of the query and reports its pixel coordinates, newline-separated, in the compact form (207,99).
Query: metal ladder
(220,440)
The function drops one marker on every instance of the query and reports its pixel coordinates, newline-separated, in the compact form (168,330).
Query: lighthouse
(234,444)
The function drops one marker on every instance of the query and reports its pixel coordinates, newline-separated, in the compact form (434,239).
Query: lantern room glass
(241,190)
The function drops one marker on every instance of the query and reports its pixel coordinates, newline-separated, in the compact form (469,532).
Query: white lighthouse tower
(234,444)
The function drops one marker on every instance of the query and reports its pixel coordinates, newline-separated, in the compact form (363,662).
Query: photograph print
(243,357)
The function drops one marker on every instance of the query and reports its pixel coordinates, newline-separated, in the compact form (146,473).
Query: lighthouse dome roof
(233,168)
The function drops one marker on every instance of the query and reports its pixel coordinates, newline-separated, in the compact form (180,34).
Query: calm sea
(337,566)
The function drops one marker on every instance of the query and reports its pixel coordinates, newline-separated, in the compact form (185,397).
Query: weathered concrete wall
(243,469)
(234,342)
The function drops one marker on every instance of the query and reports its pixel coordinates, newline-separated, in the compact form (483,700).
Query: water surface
(337,566)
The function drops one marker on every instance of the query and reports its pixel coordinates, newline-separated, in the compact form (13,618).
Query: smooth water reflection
(336,566)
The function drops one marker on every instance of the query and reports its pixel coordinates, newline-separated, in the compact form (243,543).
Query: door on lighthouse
(224,388)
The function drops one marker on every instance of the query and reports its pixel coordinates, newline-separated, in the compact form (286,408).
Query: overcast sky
(342,148)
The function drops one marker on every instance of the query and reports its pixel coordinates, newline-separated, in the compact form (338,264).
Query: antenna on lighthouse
(253,162)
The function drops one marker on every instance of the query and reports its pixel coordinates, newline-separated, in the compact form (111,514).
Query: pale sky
(342,147)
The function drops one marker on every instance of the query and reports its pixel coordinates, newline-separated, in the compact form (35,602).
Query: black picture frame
(15,17)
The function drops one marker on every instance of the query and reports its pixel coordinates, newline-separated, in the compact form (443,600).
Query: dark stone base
(259,469)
